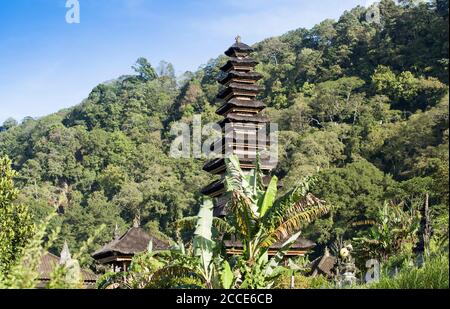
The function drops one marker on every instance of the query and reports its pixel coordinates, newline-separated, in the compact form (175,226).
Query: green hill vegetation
(362,107)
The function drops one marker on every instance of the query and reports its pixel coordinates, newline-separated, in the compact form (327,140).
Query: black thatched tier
(217,166)
(238,48)
(239,89)
(214,189)
(243,105)
(237,118)
(239,76)
(239,64)
(135,240)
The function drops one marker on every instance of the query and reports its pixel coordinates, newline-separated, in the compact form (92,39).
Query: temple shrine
(244,130)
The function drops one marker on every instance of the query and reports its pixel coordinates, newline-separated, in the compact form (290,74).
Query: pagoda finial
(65,254)
(327,252)
(137,220)
(238,39)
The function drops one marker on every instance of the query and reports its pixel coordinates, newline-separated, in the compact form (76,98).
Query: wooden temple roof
(235,117)
(48,263)
(134,241)
(242,63)
(300,247)
(239,89)
(301,243)
(238,47)
(217,166)
(324,265)
(239,75)
(251,104)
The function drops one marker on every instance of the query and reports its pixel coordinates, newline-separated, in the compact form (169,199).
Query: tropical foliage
(393,230)
(362,107)
(258,218)
(16,225)
(261,220)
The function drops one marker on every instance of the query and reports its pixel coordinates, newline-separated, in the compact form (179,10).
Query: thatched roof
(252,76)
(238,47)
(217,166)
(324,264)
(238,62)
(239,89)
(50,261)
(235,117)
(134,241)
(252,104)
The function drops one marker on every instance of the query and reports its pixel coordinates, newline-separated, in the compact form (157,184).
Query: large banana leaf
(289,214)
(237,181)
(220,226)
(255,179)
(275,261)
(269,197)
(226,275)
(281,206)
(203,244)
(241,215)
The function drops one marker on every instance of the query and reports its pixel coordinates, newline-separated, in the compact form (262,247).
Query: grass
(434,275)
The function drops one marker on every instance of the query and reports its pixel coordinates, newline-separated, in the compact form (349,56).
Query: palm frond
(222,227)
(300,219)
(281,207)
(241,214)
(187,223)
(168,272)
(276,260)
(299,215)
(304,204)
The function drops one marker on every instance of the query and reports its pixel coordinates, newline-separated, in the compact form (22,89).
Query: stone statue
(347,269)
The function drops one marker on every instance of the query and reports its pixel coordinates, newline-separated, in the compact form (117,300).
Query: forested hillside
(362,107)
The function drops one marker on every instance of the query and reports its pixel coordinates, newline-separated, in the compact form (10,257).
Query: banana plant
(393,228)
(204,261)
(261,219)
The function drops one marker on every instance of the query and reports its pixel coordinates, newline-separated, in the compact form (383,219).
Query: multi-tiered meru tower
(243,125)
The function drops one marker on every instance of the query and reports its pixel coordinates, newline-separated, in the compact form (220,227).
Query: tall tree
(16,225)
(145,69)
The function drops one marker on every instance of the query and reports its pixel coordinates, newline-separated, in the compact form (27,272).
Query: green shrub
(303,282)
(183,282)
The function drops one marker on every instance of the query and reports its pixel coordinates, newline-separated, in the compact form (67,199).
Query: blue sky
(47,64)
